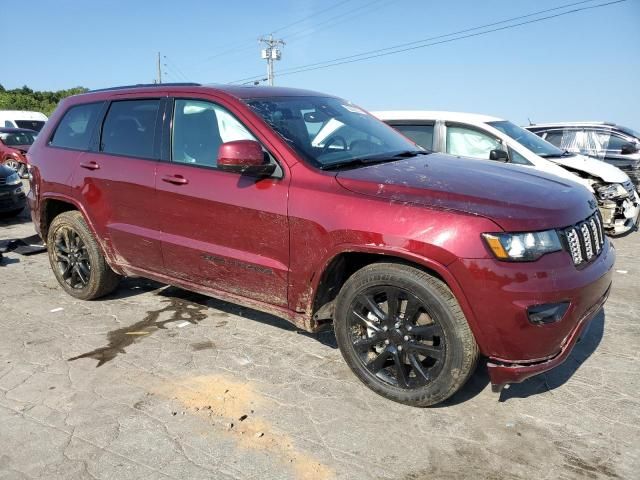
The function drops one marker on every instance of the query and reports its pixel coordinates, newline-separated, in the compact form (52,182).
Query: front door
(223,230)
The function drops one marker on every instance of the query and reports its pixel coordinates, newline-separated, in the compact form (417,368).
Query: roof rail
(148,85)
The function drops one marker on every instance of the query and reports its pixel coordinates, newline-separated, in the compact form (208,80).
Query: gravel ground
(156,382)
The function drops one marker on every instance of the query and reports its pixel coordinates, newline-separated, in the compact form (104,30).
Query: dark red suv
(305,206)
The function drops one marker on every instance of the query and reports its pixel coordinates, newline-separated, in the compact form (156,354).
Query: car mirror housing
(245,157)
(499,155)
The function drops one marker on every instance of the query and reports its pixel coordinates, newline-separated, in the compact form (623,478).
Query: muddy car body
(305,206)
(475,136)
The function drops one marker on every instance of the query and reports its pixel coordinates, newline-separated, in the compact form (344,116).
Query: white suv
(491,138)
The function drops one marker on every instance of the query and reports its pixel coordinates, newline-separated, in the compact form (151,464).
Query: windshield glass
(630,131)
(17,138)
(328,130)
(527,139)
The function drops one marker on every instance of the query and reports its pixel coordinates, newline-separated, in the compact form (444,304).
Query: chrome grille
(585,240)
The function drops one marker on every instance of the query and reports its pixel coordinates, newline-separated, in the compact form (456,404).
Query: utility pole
(159,69)
(270,53)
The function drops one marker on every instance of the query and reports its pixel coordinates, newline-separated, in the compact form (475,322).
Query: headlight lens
(612,191)
(13,179)
(522,247)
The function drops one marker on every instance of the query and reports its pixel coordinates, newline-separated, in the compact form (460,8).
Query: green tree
(40,101)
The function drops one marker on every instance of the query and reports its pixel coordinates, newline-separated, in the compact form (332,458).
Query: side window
(9,124)
(616,143)
(75,128)
(554,137)
(129,128)
(516,158)
(468,142)
(199,128)
(420,134)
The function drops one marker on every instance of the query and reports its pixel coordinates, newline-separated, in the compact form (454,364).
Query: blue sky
(584,66)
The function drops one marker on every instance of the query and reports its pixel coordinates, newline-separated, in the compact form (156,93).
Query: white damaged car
(485,137)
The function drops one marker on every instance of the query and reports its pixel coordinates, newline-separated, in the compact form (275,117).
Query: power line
(329,22)
(315,14)
(398,48)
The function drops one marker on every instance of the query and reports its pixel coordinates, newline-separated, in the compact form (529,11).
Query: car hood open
(606,172)
(516,198)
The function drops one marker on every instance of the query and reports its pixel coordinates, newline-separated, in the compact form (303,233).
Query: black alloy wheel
(73,262)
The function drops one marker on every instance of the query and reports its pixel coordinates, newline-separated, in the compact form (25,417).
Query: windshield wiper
(373,159)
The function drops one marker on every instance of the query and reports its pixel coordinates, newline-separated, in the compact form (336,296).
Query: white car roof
(22,115)
(573,124)
(434,115)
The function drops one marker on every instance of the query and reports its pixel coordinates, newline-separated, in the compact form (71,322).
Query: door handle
(175,179)
(90,165)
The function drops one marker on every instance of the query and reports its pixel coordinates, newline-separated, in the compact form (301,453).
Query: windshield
(527,139)
(630,131)
(327,131)
(18,138)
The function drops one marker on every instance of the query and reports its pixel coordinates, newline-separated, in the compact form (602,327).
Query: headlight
(612,191)
(13,179)
(522,247)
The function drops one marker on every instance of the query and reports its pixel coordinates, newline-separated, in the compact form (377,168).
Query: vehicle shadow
(8,221)
(562,373)
(135,286)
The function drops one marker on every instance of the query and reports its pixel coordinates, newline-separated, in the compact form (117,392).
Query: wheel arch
(340,266)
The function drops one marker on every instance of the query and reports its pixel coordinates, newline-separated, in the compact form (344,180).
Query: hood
(604,171)
(22,148)
(516,198)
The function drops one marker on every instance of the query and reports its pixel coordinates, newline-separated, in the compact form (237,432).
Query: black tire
(430,351)
(76,258)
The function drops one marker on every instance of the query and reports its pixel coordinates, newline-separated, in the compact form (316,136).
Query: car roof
(16,130)
(573,124)
(238,91)
(434,115)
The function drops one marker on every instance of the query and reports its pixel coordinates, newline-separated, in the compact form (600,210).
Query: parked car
(22,119)
(12,195)
(14,145)
(421,261)
(485,137)
(614,144)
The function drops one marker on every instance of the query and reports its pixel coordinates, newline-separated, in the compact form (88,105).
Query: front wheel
(76,258)
(401,331)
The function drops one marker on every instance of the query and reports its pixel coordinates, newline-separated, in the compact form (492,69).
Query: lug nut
(386,342)
(409,328)
(385,328)
(399,348)
(406,337)
(397,325)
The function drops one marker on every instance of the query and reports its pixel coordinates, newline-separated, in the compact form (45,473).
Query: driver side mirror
(245,157)
(629,148)
(499,155)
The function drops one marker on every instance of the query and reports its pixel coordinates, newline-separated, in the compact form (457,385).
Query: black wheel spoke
(393,302)
(379,362)
(83,273)
(367,343)
(411,310)
(418,368)
(427,331)
(426,350)
(372,325)
(400,367)
(373,307)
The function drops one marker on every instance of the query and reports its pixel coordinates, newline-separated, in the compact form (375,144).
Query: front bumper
(499,294)
(12,198)
(620,215)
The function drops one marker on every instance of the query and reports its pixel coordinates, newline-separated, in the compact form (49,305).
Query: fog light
(547,313)
(18,190)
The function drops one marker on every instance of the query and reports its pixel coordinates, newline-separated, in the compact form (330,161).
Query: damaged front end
(619,205)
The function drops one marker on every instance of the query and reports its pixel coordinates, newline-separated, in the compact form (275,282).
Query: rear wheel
(401,331)
(76,258)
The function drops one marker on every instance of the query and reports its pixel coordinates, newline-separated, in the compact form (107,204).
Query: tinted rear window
(421,134)
(75,128)
(31,124)
(129,128)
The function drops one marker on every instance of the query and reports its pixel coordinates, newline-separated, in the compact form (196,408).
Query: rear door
(223,230)
(116,180)
(422,133)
